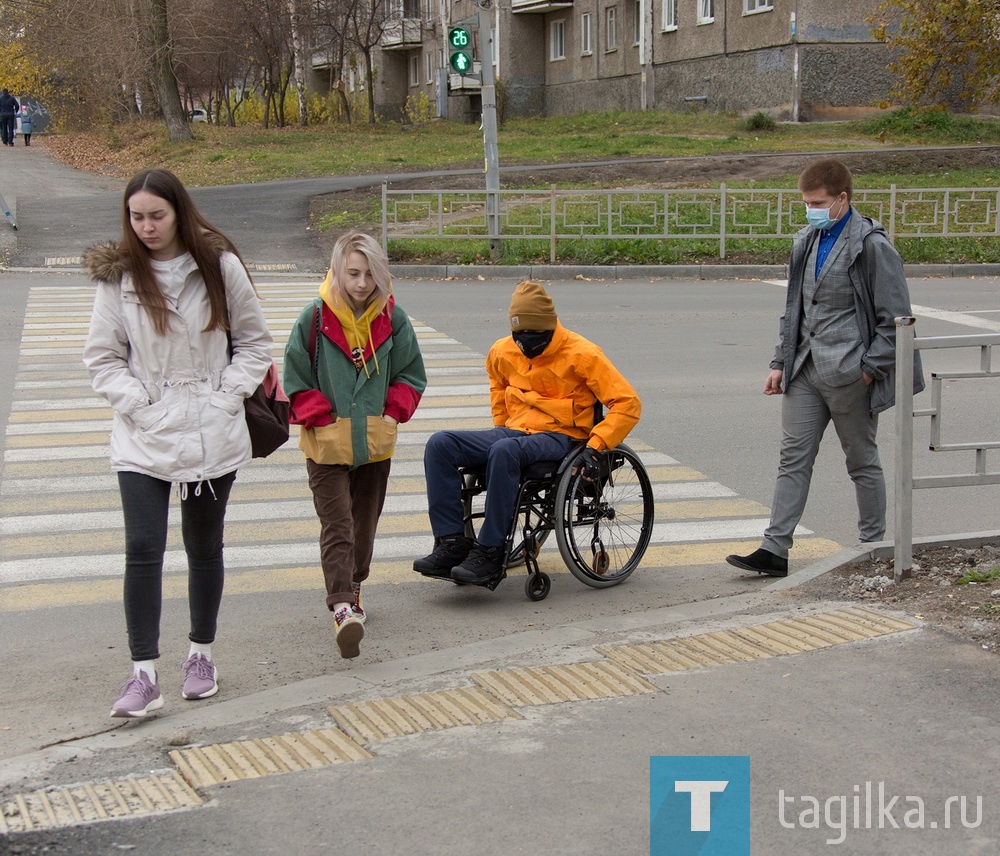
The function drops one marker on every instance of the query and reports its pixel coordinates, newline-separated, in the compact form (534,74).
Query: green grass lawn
(247,154)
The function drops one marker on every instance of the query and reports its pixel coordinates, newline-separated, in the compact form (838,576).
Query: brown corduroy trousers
(348,504)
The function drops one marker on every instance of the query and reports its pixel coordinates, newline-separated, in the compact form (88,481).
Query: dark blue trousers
(505,454)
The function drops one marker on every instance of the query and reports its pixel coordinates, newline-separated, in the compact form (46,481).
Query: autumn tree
(367,22)
(164,76)
(213,58)
(298,25)
(947,51)
(331,28)
(20,72)
(268,33)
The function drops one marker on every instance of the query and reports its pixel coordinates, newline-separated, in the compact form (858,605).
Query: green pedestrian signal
(461,62)
(460,49)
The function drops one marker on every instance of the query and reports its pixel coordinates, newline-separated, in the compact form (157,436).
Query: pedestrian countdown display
(460,49)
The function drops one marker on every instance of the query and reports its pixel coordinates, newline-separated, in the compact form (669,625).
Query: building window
(706,11)
(669,14)
(557,40)
(611,28)
(429,66)
(398,9)
(637,22)
(751,6)
(415,70)
(585,47)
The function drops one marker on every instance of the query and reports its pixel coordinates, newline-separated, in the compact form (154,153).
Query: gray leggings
(145,502)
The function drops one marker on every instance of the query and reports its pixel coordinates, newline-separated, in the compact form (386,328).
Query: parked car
(199,114)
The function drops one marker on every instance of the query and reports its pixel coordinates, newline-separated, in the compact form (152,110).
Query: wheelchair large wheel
(604,526)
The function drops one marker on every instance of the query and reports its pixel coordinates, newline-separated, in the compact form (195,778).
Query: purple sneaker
(200,677)
(137,697)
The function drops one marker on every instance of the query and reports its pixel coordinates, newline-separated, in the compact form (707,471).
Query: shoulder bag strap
(314,334)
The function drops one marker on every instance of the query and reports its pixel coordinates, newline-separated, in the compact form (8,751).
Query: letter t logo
(701,801)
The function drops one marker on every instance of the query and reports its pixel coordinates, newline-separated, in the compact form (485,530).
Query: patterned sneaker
(137,697)
(350,632)
(200,678)
(356,608)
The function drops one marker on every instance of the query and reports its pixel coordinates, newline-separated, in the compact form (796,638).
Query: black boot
(449,550)
(483,564)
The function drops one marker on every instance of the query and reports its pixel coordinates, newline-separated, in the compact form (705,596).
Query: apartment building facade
(793,59)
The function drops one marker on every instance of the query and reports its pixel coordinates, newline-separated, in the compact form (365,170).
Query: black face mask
(532,342)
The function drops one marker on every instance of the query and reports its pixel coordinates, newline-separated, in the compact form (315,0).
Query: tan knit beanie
(531,308)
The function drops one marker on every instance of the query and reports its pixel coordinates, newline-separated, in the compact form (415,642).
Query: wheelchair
(602,526)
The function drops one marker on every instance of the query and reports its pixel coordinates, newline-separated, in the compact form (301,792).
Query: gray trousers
(808,406)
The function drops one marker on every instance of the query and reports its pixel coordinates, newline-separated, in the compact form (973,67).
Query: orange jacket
(557,391)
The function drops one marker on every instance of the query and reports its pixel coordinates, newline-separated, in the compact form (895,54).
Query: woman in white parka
(177,342)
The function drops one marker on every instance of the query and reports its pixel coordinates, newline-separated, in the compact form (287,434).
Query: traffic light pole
(489,99)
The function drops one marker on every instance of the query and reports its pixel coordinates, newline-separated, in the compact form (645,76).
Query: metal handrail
(906,344)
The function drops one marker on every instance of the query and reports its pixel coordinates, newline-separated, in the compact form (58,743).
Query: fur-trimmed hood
(108,262)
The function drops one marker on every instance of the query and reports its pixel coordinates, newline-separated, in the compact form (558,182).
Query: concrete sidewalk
(540,742)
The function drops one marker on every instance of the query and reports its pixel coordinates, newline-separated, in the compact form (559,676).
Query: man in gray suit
(835,357)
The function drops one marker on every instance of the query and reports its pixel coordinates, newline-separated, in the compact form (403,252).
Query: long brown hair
(196,235)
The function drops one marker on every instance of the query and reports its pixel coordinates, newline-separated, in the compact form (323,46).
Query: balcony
(466,83)
(538,7)
(402,34)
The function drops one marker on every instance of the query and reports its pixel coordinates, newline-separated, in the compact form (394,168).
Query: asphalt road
(571,779)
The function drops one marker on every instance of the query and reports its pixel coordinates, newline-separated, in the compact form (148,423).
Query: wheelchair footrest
(495,581)
(491,583)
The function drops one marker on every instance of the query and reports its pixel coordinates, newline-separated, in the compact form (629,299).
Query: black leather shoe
(449,550)
(483,564)
(762,561)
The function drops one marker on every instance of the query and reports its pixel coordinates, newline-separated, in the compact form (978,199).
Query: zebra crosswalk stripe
(60,515)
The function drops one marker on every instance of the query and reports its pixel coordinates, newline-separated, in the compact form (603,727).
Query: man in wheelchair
(545,382)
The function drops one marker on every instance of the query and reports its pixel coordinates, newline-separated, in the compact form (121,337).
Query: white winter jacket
(177,398)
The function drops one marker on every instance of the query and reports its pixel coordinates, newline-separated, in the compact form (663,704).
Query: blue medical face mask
(819,218)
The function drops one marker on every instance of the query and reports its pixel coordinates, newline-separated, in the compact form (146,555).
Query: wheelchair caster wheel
(601,562)
(537,586)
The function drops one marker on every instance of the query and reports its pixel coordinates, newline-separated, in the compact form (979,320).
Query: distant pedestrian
(27,124)
(353,371)
(8,117)
(177,343)
(835,357)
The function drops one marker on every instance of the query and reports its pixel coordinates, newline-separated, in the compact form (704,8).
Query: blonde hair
(378,263)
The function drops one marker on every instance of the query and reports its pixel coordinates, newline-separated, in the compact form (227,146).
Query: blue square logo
(699,806)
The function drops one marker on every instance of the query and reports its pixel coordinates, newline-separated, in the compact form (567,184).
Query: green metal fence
(716,214)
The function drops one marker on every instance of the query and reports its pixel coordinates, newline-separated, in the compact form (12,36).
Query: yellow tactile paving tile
(756,641)
(369,721)
(567,682)
(204,766)
(71,805)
